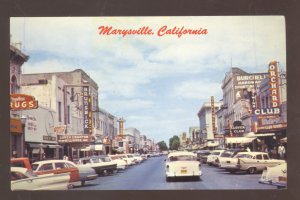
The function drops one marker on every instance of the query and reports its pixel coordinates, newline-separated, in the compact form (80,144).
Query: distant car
(276,175)
(95,162)
(24,179)
(202,155)
(121,164)
(182,164)
(58,167)
(227,154)
(213,156)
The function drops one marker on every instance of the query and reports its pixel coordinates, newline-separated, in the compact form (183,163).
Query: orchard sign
(22,102)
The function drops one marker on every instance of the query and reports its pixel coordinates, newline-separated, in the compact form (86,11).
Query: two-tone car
(251,162)
(182,164)
(24,179)
(213,156)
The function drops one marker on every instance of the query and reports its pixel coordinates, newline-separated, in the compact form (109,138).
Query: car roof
(50,161)
(178,153)
(252,153)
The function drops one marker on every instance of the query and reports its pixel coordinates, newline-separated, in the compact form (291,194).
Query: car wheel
(209,164)
(232,171)
(197,178)
(168,179)
(252,170)
(82,183)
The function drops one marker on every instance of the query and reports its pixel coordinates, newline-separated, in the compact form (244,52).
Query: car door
(259,162)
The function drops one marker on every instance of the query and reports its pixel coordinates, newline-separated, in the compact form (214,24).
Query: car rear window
(34,166)
(46,167)
(182,158)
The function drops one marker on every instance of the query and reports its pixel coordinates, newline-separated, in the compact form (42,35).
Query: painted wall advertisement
(39,125)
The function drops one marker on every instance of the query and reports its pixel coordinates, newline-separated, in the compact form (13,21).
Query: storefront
(16,138)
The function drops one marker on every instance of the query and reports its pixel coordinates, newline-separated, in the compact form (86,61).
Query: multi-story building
(73,96)
(17,146)
(136,138)
(208,122)
(108,129)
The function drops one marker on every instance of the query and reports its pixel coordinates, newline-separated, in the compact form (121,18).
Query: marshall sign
(22,102)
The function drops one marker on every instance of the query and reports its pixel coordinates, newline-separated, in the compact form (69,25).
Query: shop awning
(53,146)
(98,147)
(239,140)
(34,145)
(252,134)
(88,148)
(37,151)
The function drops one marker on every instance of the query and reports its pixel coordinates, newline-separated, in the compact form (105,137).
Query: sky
(157,83)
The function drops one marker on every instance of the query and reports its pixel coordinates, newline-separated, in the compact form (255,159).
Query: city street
(150,175)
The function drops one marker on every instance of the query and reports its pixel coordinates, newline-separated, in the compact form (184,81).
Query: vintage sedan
(121,164)
(24,179)
(212,158)
(276,175)
(227,155)
(251,162)
(182,164)
(99,164)
(58,167)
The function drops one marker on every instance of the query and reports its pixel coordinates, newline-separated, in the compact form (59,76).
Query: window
(72,94)
(59,111)
(45,167)
(60,165)
(259,157)
(13,85)
(68,114)
(17,176)
(266,157)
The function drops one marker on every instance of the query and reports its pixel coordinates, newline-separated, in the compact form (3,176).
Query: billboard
(87,114)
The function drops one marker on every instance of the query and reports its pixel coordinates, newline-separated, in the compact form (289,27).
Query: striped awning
(239,140)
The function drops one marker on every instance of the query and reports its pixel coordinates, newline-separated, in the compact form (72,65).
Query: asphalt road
(150,175)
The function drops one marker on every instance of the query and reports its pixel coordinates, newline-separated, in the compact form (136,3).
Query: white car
(129,158)
(121,164)
(276,175)
(24,179)
(182,164)
(212,158)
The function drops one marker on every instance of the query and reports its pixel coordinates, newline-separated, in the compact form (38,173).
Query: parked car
(86,173)
(202,155)
(98,165)
(213,156)
(276,175)
(58,167)
(182,164)
(250,161)
(24,179)
(20,162)
(227,154)
(121,164)
(129,158)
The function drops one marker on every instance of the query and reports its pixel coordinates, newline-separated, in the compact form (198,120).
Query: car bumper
(173,174)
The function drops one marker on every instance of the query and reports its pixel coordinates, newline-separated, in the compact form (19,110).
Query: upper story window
(14,88)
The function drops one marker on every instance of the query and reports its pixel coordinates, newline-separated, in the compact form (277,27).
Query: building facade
(17,136)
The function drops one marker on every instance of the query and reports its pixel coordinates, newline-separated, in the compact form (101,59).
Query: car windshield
(182,158)
(105,159)
(227,154)
(95,160)
(216,153)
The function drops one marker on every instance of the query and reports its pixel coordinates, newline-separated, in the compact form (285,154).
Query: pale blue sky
(158,84)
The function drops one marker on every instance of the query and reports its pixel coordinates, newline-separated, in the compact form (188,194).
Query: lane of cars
(274,171)
(64,174)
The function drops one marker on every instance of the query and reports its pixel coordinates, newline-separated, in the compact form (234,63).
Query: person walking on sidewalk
(281,151)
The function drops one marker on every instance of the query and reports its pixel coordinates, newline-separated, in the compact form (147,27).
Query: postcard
(148,103)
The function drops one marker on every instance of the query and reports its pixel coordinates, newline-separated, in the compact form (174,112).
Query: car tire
(82,183)
(168,179)
(252,170)
(209,164)
(197,178)
(232,171)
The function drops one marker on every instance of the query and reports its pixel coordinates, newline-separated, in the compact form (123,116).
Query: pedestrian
(274,153)
(65,157)
(248,149)
(281,151)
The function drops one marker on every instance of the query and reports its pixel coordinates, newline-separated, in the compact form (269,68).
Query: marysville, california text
(146,30)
